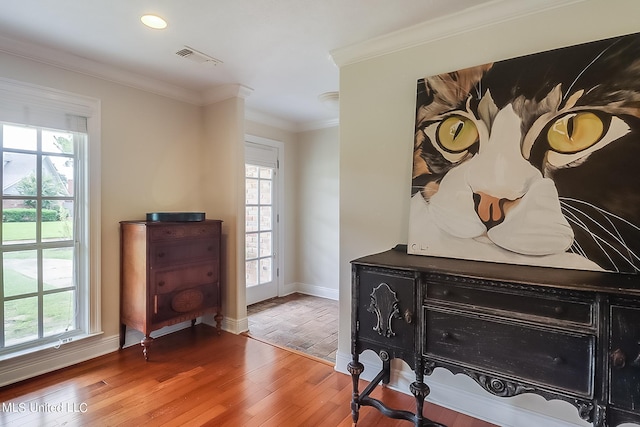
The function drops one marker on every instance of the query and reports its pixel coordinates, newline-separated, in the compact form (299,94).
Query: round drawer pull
(161,254)
(446,292)
(446,335)
(408,316)
(558,360)
(559,310)
(210,273)
(618,359)
(161,283)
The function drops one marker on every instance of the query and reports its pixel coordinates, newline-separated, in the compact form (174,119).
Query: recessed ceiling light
(154,21)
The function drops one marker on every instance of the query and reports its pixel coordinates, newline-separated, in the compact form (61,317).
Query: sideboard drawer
(542,356)
(625,357)
(386,307)
(522,303)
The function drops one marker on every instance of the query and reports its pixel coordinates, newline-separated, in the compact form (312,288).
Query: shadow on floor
(300,322)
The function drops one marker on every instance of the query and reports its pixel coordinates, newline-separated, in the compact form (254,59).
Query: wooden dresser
(169,273)
(563,334)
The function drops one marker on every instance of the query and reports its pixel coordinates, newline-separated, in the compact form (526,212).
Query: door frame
(279,205)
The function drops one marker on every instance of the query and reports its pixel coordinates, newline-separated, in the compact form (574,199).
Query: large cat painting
(533,160)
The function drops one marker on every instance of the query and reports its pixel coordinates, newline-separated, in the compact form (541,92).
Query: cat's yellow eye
(457,133)
(575,132)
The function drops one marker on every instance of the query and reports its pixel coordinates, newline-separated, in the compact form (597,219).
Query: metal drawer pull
(446,335)
(618,359)
(558,360)
(408,316)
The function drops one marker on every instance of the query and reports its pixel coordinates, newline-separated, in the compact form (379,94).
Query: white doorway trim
(279,182)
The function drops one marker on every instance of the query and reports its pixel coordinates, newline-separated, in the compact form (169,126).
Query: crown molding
(222,92)
(320,124)
(467,20)
(69,62)
(268,119)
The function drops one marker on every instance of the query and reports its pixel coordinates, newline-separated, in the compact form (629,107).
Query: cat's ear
(449,91)
(487,109)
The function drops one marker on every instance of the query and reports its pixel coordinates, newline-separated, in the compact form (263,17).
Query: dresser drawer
(521,304)
(184,304)
(182,231)
(170,253)
(171,279)
(541,356)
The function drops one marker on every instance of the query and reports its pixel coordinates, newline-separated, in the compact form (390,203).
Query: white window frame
(45,105)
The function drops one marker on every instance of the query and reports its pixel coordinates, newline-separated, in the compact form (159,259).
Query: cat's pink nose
(490,209)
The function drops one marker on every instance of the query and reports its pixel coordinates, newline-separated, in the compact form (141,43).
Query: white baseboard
(461,394)
(313,290)
(51,359)
(235,326)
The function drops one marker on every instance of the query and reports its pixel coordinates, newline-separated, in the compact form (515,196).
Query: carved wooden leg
(355,368)
(420,391)
(218,319)
(146,343)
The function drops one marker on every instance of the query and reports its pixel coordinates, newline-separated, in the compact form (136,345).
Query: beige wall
(147,163)
(377,104)
(317,207)
(222,189)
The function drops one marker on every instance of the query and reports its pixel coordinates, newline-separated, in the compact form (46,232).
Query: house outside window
(49,250)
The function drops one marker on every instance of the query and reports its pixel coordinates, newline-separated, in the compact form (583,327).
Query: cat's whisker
(570,213)
(616,237)
(596,239)
(602,211)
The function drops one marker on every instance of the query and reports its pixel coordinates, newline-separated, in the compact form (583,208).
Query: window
(49,283)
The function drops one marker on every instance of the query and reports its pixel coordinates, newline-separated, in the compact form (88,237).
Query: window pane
(266,173)
(18,224)
(19,174)
(265,244)
(251,246)
(22,138)
(251,272)
(251,223)
(57,221)
(20,273)
(57,268)
(265,218)
(57,176)
(58,312)
(57,142)
(20,320)
(265,192)
(252,192)
(265,270)
(251,171)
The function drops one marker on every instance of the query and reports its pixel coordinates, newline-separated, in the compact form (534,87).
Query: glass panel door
(260,226)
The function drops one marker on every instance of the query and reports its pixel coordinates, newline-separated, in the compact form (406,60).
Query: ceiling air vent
(197,56)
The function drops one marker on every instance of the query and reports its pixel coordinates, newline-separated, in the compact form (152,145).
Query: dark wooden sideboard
(563,334)
(169,273)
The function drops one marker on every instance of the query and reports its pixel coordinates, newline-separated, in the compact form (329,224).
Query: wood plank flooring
(197,378)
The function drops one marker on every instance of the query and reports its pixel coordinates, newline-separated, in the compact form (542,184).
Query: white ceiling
(278,51)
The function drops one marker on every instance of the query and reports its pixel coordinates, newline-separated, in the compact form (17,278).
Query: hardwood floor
(197,378)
